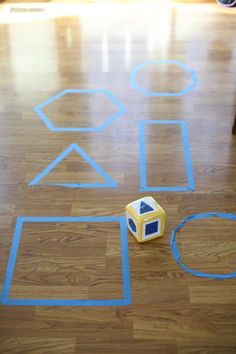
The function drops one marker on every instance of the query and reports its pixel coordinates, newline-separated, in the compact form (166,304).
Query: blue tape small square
(126,300)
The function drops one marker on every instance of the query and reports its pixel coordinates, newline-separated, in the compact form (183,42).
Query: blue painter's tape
(146,92)
(176,253)
(12,259)
(126,300)
(109,182)
(125,263)
(42,302)
(187,156)
(101,127)
(43,219)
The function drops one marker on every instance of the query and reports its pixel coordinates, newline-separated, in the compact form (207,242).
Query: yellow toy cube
(145,219)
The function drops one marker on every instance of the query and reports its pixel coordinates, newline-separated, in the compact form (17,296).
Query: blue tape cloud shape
(109,120)
(187,156)
(175,250)
(146,92)
(109,181)
(126,300)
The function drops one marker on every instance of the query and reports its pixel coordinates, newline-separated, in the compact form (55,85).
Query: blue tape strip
(59,219)
(176,253)
(42,302)
(126,300)
(12,259)
(101,127)
(146,92)
(187,156)
(125,263)
(109,181)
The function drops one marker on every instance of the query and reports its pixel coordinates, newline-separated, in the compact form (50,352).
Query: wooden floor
(91,46)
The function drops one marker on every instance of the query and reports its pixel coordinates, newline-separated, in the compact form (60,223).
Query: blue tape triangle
(145,208)
(109,182)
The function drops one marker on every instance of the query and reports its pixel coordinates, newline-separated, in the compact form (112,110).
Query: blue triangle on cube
(145,208)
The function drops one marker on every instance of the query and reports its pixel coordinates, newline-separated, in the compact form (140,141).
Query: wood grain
(91,46)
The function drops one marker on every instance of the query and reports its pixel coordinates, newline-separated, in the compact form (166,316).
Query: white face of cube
(151,229)
(144,206)
(132,225)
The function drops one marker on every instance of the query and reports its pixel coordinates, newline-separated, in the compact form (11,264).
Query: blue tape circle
(176,253)
(186,68)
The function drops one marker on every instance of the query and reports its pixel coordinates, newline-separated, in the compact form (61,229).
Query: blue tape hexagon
(109,120)
(146,92)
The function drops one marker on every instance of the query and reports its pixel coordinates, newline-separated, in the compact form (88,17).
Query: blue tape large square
(126,300)
(187,156)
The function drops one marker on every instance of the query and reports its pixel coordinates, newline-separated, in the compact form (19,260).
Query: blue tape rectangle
(187,156)
(126,300)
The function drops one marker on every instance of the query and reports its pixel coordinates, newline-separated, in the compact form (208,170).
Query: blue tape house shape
(146,92)
(109,182)
(109,120)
